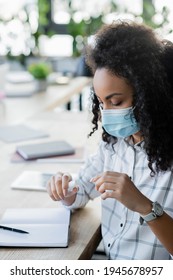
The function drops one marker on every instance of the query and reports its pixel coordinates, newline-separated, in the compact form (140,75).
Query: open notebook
(46,227)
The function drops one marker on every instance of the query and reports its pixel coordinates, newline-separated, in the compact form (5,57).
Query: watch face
(157,209)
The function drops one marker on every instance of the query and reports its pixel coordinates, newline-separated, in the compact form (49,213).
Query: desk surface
(20,108)
(85,223)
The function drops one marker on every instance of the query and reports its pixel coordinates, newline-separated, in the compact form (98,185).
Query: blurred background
(42,48)
(57,30)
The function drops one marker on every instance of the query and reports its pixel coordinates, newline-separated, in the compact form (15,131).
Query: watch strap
(150,217)
(153,214)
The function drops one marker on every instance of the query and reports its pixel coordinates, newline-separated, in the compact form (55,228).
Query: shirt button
(109,245)
(121,225)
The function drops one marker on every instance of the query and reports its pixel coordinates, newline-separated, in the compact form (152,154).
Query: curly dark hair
(133,51)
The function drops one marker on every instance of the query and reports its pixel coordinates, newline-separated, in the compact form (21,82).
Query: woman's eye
(116,103)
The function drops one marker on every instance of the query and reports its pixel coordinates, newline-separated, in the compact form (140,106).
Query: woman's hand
(119,186)
(58,188)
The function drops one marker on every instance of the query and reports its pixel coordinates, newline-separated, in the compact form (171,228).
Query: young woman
(132,170)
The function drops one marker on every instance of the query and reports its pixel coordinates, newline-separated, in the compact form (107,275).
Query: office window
(59,45)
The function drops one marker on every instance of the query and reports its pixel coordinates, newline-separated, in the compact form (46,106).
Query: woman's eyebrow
(109,96)
(112,94)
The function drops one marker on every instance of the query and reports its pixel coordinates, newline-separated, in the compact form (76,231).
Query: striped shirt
(124,238)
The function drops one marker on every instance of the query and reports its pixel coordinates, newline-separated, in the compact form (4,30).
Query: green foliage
(44,10)
(39,70)
(86,27)
(149,11)
(80,31)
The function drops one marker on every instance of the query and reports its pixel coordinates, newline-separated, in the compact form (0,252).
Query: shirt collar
(129,141)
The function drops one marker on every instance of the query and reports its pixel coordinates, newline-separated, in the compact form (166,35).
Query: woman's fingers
(58,186)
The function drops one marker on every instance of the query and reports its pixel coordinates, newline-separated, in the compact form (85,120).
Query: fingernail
(92,180)
(76,189)
(71,185)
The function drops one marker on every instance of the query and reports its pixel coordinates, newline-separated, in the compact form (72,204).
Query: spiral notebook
(45,227)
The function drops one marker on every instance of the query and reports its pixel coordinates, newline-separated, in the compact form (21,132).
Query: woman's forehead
(104,82)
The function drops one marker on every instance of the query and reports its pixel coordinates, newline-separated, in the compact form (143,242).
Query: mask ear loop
(130,113)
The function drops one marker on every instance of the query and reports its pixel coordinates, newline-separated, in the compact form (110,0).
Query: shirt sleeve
(93,166)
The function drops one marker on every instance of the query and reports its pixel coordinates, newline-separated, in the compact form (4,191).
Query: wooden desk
(85,223)
(19,109)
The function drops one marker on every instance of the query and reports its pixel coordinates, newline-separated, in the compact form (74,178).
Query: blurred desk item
(17,133)
(85,223)
(3,74)
(22,90)
(19,109)
(19,77)
(19,84)
(58,79)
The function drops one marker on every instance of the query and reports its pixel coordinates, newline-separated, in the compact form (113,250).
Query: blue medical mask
(119,122)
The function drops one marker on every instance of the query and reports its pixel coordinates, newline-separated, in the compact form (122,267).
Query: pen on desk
(13,229)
